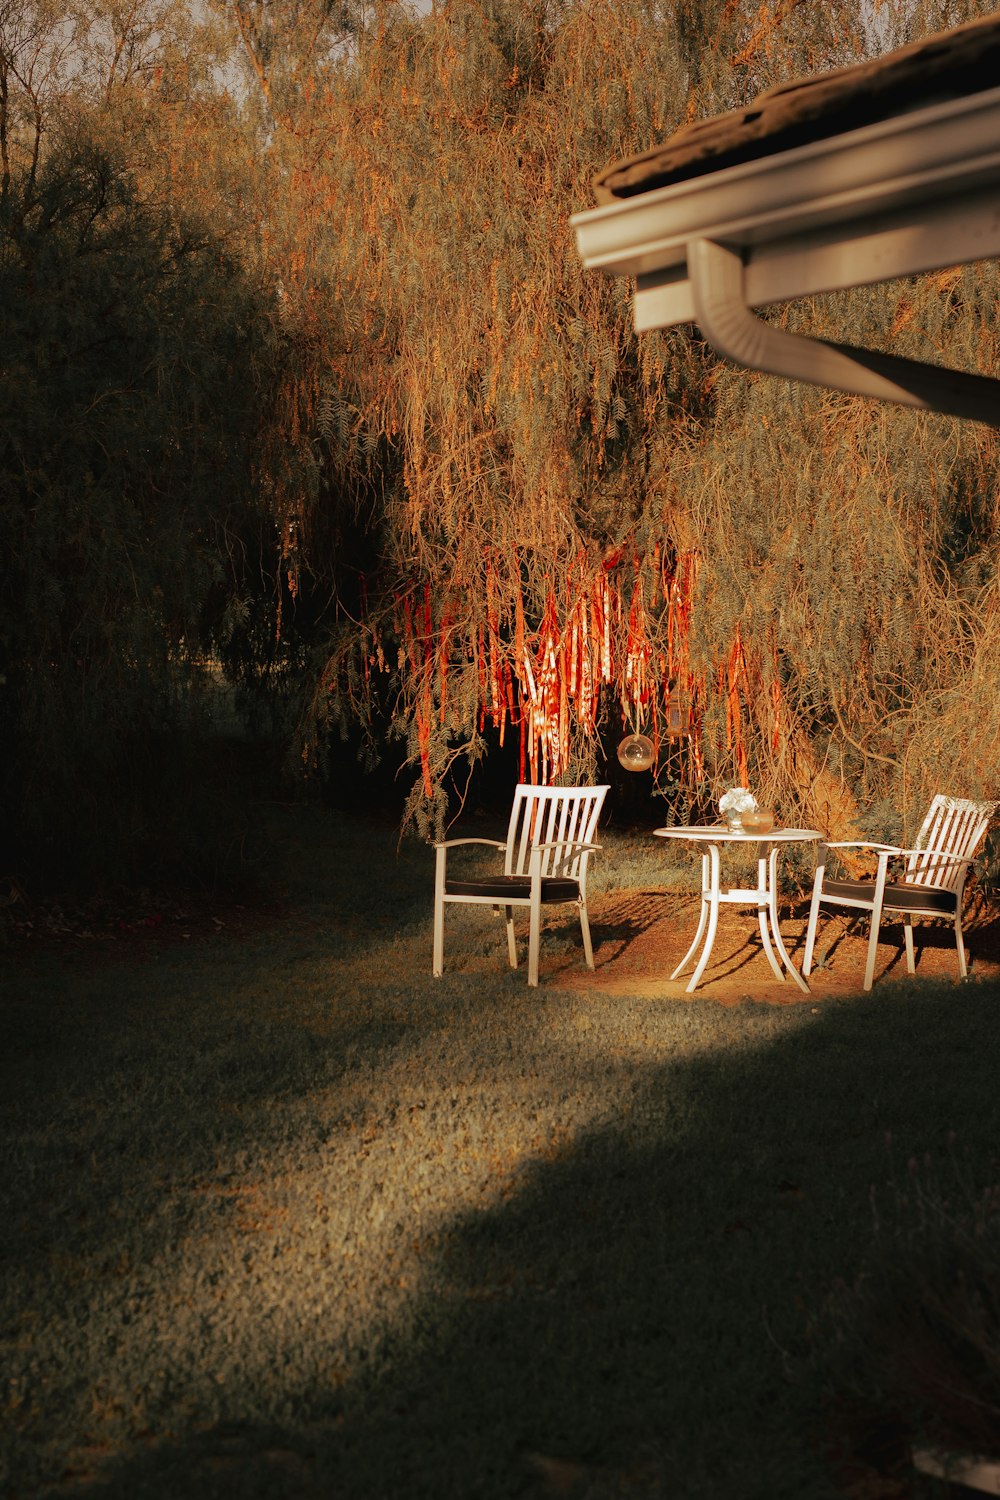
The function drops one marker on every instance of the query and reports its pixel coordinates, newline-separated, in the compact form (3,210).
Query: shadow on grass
(630,1316)
(843,936)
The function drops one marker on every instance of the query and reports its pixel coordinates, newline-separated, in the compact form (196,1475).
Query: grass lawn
(284,1216)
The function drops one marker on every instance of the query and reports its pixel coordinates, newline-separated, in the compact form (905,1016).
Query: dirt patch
(641,936)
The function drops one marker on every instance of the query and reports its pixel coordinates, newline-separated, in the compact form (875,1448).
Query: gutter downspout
(715,273)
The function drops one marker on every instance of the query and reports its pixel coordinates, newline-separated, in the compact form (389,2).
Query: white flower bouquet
(737,801)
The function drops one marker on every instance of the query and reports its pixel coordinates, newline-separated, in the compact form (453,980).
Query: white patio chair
(930,884)
(548,844)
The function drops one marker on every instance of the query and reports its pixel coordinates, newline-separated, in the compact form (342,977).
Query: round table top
(721,834)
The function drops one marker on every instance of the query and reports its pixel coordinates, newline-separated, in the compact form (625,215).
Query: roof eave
(908,194)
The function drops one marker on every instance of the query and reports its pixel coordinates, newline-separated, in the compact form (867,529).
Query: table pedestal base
(764,897)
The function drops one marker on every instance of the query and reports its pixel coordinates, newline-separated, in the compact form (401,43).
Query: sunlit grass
(284,1215)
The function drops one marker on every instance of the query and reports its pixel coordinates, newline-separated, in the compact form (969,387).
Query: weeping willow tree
(574,527)
(378,375)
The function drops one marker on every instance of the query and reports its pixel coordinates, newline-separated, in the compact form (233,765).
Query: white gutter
(909,194)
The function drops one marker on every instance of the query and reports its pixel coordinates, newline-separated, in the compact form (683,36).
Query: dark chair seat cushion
(899,896)
(501,888)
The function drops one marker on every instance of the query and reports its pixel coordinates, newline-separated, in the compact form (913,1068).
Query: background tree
(131,336)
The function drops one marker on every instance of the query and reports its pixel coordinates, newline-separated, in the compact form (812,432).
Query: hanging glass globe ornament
(636,752)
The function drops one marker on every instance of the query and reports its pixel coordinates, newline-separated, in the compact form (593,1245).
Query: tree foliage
(128,332)
(300,360)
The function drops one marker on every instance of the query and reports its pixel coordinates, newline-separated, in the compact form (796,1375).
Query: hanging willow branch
(575,526)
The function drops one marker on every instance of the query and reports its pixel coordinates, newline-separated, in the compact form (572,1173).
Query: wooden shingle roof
(949,65)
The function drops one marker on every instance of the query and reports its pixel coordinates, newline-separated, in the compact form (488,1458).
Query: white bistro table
(764,896)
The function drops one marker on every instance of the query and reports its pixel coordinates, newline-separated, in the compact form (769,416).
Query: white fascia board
(830,205)
(855,252)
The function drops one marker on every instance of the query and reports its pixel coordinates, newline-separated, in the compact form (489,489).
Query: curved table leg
(772,893)
(713,916)
(763,916)
(702,919)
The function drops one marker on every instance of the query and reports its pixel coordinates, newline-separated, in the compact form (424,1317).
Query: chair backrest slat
(553,830)
(949,834)
(522,814)
(559,815)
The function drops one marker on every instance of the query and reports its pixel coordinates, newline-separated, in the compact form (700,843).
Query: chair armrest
(442,846)
(453,843)
(571,847)
(948,856)
(568,850)
(863,844)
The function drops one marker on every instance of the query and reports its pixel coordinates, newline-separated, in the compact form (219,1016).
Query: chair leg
(508,912)
(813,922)
(872,955)
(588,948)
(883,866)
(534,931)
(960,944)
(437,967)
(911,964)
